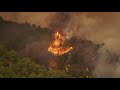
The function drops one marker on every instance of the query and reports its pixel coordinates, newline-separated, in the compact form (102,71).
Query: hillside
(24,46)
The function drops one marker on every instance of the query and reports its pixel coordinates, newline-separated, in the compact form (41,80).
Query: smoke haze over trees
(31,38)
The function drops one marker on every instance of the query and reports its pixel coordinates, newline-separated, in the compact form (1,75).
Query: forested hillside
(24,53)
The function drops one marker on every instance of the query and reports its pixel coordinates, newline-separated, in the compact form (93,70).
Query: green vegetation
(13,66)
(23,53)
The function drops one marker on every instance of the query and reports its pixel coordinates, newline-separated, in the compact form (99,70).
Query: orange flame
(57,47)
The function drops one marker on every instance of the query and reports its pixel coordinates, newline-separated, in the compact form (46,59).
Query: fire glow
(57,46)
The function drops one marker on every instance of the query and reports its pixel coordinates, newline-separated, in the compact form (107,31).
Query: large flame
(56,47)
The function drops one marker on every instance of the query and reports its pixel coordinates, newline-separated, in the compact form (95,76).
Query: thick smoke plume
(99,27)
(108,65)
(60,20)
(37,50)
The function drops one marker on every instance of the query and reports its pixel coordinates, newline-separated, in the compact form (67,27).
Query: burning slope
(57,46)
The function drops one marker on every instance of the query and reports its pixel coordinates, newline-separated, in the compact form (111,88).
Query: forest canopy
(24,54)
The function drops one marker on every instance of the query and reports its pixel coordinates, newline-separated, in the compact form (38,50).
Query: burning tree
(78,56)
(58,48)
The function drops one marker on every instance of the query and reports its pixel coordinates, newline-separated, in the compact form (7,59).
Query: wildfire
(56,47)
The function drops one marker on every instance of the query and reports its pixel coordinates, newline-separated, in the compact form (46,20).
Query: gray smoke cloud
(108,65)
(37,50)
(38,18)
(60,20)
(99,27)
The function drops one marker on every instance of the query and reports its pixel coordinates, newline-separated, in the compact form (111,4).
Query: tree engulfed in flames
(56,47)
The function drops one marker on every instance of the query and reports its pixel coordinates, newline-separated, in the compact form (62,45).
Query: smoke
(60,20)
(99,27)
(37,50)
(37,18)
(107,65)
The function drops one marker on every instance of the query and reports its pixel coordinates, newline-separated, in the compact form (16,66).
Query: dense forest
(13,64)
(24,54)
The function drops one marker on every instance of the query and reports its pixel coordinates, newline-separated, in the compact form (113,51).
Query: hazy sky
(43,18)
(99,27)
(96,26)
(38,18)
